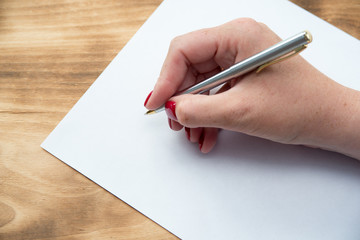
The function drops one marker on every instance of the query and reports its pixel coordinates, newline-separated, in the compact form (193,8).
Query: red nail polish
(187,130)
(201,140)
(169,121)
(147,99)
(170,110)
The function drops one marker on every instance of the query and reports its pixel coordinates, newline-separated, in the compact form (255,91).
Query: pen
(259,61)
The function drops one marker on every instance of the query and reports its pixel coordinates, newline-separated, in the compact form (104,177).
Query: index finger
(193,50)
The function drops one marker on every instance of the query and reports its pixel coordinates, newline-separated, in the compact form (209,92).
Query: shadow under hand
(259,152)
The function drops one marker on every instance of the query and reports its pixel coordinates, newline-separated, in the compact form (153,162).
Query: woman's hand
(289,102)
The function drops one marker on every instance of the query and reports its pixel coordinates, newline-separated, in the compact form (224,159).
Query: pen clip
(296,51)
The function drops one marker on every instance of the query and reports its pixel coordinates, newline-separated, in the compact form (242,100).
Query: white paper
(246,188)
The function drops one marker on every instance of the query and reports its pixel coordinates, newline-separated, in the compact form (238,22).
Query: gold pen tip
(150,112)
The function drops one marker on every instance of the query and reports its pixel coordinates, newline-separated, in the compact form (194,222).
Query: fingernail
(187,130)
(201,140)
(169,121)
(170,110)
(147,98)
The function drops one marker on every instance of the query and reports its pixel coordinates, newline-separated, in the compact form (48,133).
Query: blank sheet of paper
(246,188)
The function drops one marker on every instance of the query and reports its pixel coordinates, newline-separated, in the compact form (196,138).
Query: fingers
(174,125)
(196,111)
(188,56)
(204,137)
(208,139)
(194,134)
(203,51)
(201,110)
(199,55)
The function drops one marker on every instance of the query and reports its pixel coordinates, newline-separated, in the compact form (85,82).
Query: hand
(289,102)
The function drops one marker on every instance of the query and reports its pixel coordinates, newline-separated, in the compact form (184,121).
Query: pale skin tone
(290,102)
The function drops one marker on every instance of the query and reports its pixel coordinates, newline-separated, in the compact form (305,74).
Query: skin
(289,102)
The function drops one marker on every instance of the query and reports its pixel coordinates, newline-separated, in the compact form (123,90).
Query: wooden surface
(50,53)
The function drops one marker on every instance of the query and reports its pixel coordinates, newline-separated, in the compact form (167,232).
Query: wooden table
(51,51)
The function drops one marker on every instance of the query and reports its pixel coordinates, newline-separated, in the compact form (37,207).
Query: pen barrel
(281,49)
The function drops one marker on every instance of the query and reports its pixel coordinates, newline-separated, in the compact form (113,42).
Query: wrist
(336,122)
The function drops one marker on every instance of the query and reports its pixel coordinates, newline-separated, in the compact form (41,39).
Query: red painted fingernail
(170,110)
(147,98)
(187,130)
(170,125)
(201,140)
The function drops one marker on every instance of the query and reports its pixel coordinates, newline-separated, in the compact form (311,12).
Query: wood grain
(50,53)
(342,14)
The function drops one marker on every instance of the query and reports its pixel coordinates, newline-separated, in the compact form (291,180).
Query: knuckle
(263,25)
(246,22)
(250,25)
(176,41)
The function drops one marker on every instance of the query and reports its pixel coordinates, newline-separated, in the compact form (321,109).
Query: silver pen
(259,61)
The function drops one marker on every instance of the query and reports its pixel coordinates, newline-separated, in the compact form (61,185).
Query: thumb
(201,110)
